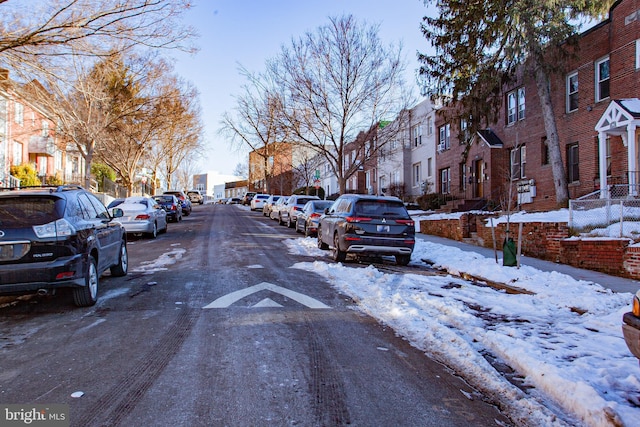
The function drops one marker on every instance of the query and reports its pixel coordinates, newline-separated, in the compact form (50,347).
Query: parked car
(275,209)
(631,326)
(367,225)
(289,215)
(59,237)
(195,196)
(309,217)
(246,199)
(115,202)
(143,215)
(186,203)
(234,201)
(268,204)
(258,201)
(171,205)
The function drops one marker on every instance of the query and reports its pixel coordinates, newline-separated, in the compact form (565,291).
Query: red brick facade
(615,38)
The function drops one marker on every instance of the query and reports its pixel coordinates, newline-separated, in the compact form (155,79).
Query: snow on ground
(564,340)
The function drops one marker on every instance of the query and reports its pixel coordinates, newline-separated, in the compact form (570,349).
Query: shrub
(27,175)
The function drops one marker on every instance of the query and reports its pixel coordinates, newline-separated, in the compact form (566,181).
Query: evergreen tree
(481,46)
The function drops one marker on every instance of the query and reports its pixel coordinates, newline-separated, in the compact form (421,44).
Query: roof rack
(52,188)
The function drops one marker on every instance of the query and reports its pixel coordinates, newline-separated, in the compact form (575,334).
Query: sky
(233,32)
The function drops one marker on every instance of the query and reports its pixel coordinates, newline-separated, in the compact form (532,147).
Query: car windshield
(321,206)
(303,201)
(380,209)
(165,199)
(27,211)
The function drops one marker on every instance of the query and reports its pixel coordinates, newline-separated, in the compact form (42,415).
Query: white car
(257,203)
(143,215)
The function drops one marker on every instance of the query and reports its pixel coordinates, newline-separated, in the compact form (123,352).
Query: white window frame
(417,174)
(429,126)
(445,136)
(445,181)
(599,80)
(521,103)
(571,91)
(511,107)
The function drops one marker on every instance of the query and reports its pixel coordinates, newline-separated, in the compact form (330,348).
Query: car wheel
(87,295)
(321,245)
(289,224)
(154,232)
(403,259)
(338,255)
(280,221)
(120,269)
(166,226)
(306,231)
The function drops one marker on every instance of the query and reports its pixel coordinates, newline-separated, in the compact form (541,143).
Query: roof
(490,138)
(631,105)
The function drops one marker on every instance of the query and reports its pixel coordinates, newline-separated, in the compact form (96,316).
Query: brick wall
(549,241)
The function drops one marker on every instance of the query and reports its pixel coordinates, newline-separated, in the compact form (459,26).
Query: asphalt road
(213,328)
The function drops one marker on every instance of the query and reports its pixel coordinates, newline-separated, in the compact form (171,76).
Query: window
(462,168)
(602,79)
(429,167)
(19,113)
(572,92)
(417,136)
(445,137)
(445,181)
(608,155)
(429,126)
(417,174)
(638,54)
(518,162)
(515,105)
(394,144)
(521,104)
(544,156)
(573,171)
(464,130)
(17,153)
(45,128)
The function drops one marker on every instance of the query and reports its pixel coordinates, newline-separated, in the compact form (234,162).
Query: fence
(615,216)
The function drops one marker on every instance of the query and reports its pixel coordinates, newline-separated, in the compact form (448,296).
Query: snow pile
(562,337)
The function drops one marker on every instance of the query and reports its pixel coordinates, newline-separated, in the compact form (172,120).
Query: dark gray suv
(58,237)
(367,225)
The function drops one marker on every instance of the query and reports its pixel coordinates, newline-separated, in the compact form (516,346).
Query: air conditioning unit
(441,147)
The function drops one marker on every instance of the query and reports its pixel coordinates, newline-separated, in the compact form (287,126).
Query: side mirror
(117,213)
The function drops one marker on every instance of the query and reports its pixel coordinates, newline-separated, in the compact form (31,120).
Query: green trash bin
(509,253)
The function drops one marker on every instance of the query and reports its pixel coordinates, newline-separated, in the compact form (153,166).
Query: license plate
(382,228)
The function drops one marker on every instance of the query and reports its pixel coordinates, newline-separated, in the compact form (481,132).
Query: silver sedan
(143,215)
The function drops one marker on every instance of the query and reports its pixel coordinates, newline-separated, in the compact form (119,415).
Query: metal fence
(615,216)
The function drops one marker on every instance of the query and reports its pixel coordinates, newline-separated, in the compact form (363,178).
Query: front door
(478,175)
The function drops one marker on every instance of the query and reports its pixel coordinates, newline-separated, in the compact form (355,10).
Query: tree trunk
(553,141)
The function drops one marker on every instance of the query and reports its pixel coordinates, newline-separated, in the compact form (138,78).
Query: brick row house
(27,136)
(597,112)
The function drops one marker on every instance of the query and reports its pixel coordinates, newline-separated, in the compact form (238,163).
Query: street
(211,327)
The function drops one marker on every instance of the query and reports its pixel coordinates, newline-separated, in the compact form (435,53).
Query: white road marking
(230,298)
(267,302)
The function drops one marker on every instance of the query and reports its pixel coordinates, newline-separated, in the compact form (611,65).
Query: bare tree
(254,122)
(338,82)
(55,28)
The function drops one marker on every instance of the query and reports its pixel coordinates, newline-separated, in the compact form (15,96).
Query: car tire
(280,221)
(336,253)
(403,259)
(154,231)
(289,223)
(121,268)
(306,231)
(87,295)
(321,245)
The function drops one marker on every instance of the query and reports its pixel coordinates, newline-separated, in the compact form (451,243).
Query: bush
(430,202)
(27,175)
(312,191)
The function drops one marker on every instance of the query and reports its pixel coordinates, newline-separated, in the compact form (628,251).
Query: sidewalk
(616,284)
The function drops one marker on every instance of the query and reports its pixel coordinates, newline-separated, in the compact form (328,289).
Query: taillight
(408,222)
(143,216)
(59,228)
(174,208)
(357,219)
(315,215)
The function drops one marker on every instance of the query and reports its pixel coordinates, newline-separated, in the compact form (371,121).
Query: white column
(602,154)
(633,159)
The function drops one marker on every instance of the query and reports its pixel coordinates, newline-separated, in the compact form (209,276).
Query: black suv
(367,225)
(58,237)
